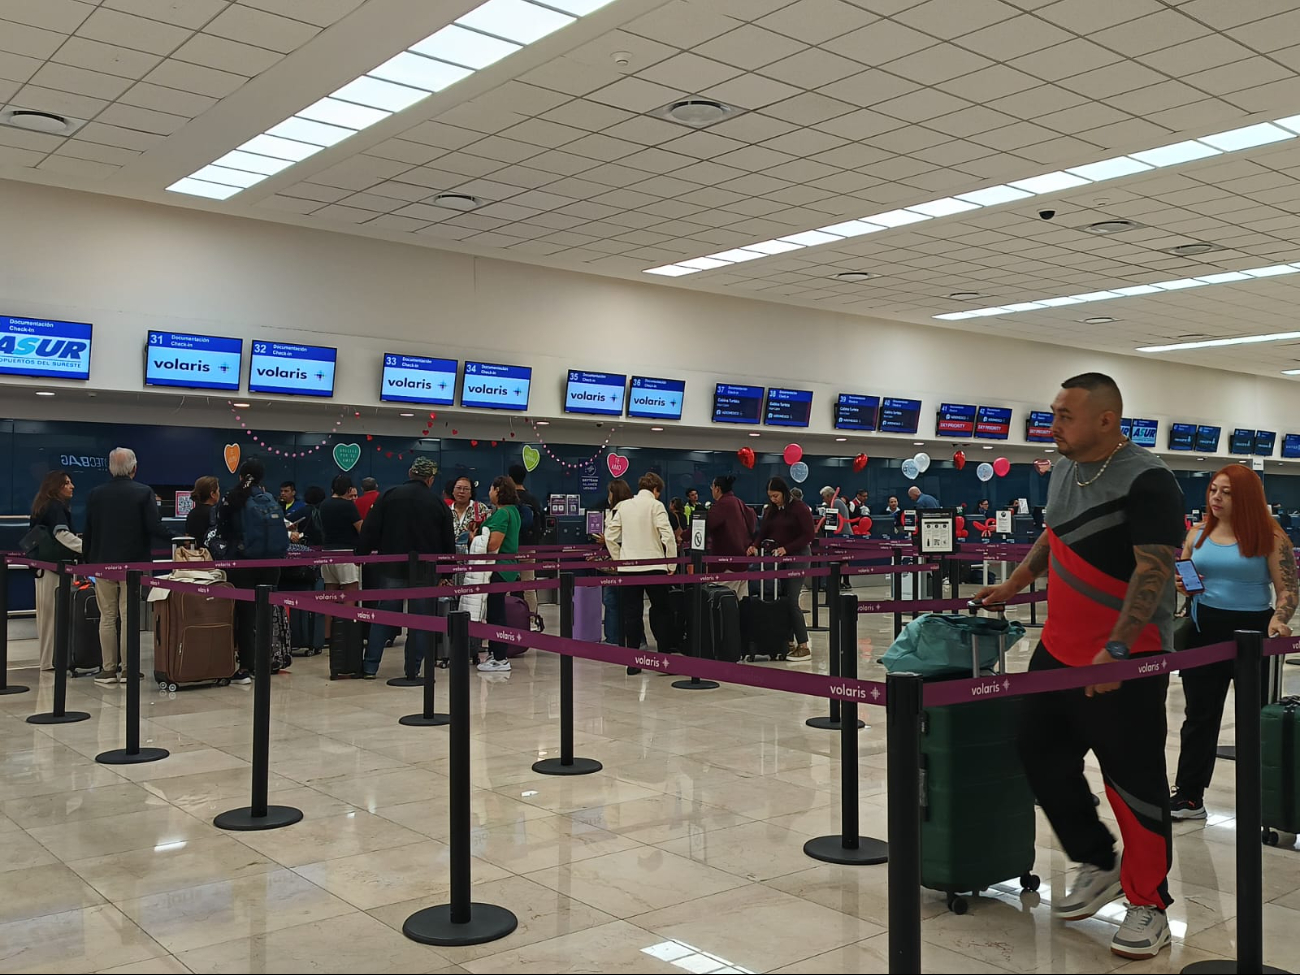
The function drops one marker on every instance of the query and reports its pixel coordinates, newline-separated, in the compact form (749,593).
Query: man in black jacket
(122,525)
(532,536)
(406,518)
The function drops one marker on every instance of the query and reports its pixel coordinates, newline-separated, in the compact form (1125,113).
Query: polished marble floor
(682,855)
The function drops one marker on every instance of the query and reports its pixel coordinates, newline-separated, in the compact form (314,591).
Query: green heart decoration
(532,457)
(346,455)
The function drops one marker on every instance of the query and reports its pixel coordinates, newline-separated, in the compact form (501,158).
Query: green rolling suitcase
(1279,727)
(977,816)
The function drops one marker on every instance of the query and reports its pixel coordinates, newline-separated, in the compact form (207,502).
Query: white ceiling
(850,107)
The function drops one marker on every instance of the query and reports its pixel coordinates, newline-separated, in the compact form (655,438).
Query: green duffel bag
(939,645)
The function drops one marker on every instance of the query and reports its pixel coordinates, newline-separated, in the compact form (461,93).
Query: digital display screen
(955,420)
(788,407)
(1207,438)
(600,393)
(1182,436)
(1265,441)
(993,423)
(1291,446)
(1141,432)
(489,386)
(292,370)
(193,361)
(856,412)
(1038,427)
(1241,441)
(656,399)
(418,379)
(737,404)
(899,415)
(38,347)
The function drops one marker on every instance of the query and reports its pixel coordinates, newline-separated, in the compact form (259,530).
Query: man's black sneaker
(1183,806)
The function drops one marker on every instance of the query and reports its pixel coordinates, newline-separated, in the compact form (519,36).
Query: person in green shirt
(503,538)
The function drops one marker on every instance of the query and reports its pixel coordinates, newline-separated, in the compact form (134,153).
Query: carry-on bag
(517,618)
(346,648)
(306,629)
(281,640)
(1279,729)
(977,816)
(194,639)
(765,618)
(720,637)
(84,653)
(587,607)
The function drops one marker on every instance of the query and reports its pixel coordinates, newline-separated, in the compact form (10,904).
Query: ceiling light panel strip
(482,37)
(1233,140)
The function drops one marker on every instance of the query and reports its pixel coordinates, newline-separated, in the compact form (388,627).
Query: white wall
(128,267)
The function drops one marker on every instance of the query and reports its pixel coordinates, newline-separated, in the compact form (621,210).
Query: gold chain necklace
(1118,448)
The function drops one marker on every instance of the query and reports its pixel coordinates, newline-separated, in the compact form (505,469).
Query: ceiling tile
(562,163)
(30,41)
(397,190)
(392,222)
(815,21)
(1277,96)
(1134,132)
(689,72)
(252,26)
(751,91)
(1229,78)
(942,62)
(749,46)
(920,105)
(754,159)
(16,67)
(752,127)
(168,100)
(1153,32)
(82,168)
(40,142)
(1064,60)
(571,77)
(516,96)
(701,145)
(635,95)
(64,77)
(442,135)
(183,13)
(653,160)
(1039,101)
(59,102)
(64,16)
(505,150)
(953,18)
(142,119)
(1013,38)
(968,121)
(588,115)
(322,13)
(871,87)
(641,52)
(137,33)
(812,68)
(415,153)
(477,116)
(862,124)
(195,78)
(602,147)
(880,42)
(93,151)
(1112,79)
(644,130)
(1089,16)
(809,108)
(97,56)
(1269,34)
(681,24)
(854,155)
(316,192)
(1154,98)
(538,132)
(227,55)
(113,135)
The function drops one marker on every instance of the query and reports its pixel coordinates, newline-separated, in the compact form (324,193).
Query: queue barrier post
(461,921)
(849,847)
(896,589)
(412,580)
(696,647)
(259,815)
(837,650)
(132,754)
(903,726)
(566,764)
(429,716)
(62,653)
(5,686)
(814,592)
(1247,692)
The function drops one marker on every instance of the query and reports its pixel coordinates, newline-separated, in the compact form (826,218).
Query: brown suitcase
(194,639)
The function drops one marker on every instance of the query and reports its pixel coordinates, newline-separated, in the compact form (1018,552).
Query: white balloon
(922,462)
(984,472)
(910,469)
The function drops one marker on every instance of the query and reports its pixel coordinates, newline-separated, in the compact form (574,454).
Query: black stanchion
(429,717)
(838,649)
(848,847)
(896,589)
(1247,692)
(814,592)
(903,724)
(132,754)
(566,764)
(258,815)
(413,579)
(697,630)
(1033,607)
(62,648)
(5,686)
(460,922)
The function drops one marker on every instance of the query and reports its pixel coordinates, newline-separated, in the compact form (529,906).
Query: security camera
(1046,214)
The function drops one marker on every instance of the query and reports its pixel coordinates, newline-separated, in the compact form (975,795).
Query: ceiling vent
(1104,227)
(34,120)
(1193,249)
(696,112)
(457,201)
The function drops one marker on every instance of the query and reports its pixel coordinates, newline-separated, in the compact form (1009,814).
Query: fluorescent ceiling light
(1247,137)
(1136,289)
(1097,296)
(773,246)
(197,187)
(1056,302)
(1225,277)
(1024,306)
(1220,343)
(956,316)
(945,207)
(852,228)
(986,312)
(1180,284)
(1272,270)
(515,20)
(315,133)
(738,256)
(1049,183)
(346,114)
(1291,372)
(1178,152)
(671,270)
(579,8)
(460,45)
(703,263)
(412,70)
(1109,169)
(230,177)
(994,195)
(811,238)
(253,163)
(897,218)
(269,145)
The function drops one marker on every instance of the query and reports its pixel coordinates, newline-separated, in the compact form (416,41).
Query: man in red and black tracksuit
(1113,519)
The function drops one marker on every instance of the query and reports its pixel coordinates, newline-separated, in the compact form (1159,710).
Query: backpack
(262,534)
(529,520)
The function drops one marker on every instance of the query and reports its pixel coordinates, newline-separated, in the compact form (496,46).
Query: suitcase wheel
(224,682)
(172,687)
(749,658)
(780,656)
(162,684)
(1030,881)
(1269,837)
(957,905)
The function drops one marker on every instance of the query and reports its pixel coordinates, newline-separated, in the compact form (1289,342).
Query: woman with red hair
(1239,552)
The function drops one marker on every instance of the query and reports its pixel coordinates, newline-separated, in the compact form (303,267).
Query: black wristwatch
(1117,649)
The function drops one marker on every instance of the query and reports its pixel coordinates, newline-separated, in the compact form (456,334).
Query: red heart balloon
(473,443)
(859,462)
(425,431)
(433,416)
(746,455)
(959,459)
(494,443)
(454,432)
(369,437)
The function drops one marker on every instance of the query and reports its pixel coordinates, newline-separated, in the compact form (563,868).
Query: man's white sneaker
(1144,932)
(493,666)
(1093,889)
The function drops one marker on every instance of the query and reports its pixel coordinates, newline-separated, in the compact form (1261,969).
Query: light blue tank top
(1232,582)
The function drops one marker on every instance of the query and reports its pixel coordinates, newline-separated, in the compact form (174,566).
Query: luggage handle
(768,545)
(974,606)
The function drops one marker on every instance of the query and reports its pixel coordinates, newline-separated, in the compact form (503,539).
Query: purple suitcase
(587,608)
(517,618)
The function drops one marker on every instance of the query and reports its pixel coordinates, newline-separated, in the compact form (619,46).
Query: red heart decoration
(425,431)
(494,443)
(473,443)
(433,416)
(389,455)
(859,462)
(369,437)
(959,459)
(454,432)
(746,455)
(512,435)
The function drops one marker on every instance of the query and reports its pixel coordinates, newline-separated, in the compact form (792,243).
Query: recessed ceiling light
(456,201)
(44,392)
(704,263)
(1200,458)
(810,238)
(697,111)
(852,276)
(1049,183)
(1109,168)
(1110,226)
(515,20)
(460,45)
(986,447)
(656,429)
(1178,152)
(399,414)
(1291,372)
(965,295)
(1050,450)
(841,439)
(918,443)
(1099,320)
(1189,250)
(1219,343)
(755,434)
(543,423)
(241,406)
(34,121)
(670,270)
(994,195)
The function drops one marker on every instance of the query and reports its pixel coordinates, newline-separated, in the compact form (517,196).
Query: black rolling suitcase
(85,655)
(720,638)
(765,618)
(346,648)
